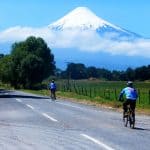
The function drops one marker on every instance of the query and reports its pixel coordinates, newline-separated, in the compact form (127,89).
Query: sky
(20,19)
(132,15)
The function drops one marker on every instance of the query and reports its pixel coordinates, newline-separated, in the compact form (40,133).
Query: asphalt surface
(31,122)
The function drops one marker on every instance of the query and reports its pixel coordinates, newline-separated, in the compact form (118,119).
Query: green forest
(29,63)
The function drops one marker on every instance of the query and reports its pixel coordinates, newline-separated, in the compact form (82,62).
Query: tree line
(80,71)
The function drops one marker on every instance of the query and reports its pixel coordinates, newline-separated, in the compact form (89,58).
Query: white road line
(97,142)
(47,116)
(19,100)
(30,106)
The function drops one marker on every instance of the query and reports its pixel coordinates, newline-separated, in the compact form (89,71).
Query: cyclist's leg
(54,92)
(53,96)
(133,105)
(125,104)
(51,93)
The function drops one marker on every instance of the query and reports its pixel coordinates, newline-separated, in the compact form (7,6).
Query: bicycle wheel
(53,97)
(125,120)
(131,120)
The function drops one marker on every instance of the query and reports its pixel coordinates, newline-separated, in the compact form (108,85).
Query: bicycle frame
(129,118)
(53,96)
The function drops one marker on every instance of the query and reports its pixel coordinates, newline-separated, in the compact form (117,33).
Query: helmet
(130,83)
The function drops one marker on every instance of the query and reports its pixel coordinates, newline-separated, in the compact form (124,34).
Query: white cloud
(84,40)
(21,33)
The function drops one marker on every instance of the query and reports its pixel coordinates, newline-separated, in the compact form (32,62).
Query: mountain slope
(83,19)
(83,37)
(80,17)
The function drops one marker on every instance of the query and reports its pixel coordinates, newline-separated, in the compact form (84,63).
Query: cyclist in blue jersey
(52,88)
(131,97)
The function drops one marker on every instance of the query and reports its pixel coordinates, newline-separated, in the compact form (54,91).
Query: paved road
(30,122)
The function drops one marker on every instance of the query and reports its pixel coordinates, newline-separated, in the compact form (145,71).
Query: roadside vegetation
(105,92)
(99,93)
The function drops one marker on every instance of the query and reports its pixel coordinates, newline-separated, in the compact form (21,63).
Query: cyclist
(52,88)
(131,97)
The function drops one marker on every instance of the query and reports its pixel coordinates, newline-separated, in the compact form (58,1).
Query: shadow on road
(2,91)
(8,94)
(22,96)
(136,128)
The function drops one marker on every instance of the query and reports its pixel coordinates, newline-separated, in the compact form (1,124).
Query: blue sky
(132,15)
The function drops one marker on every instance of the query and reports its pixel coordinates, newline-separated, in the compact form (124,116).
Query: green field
(105,91)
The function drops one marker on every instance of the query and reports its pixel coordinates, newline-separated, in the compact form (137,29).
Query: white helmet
(130,83)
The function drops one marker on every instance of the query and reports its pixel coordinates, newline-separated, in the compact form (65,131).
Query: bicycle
(53,96)
(129,118)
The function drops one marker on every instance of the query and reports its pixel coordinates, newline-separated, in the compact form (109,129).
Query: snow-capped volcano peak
(82,18)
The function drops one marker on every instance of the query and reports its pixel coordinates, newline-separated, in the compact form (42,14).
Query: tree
(1,56)
(5,68)
(130,74)
(142,73)
(92,72)
(31,70)
(104,73)
(115,75)
(76,71)
(32,62)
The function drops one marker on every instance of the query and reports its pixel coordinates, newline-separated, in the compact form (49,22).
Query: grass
(106,93)
(110,90)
